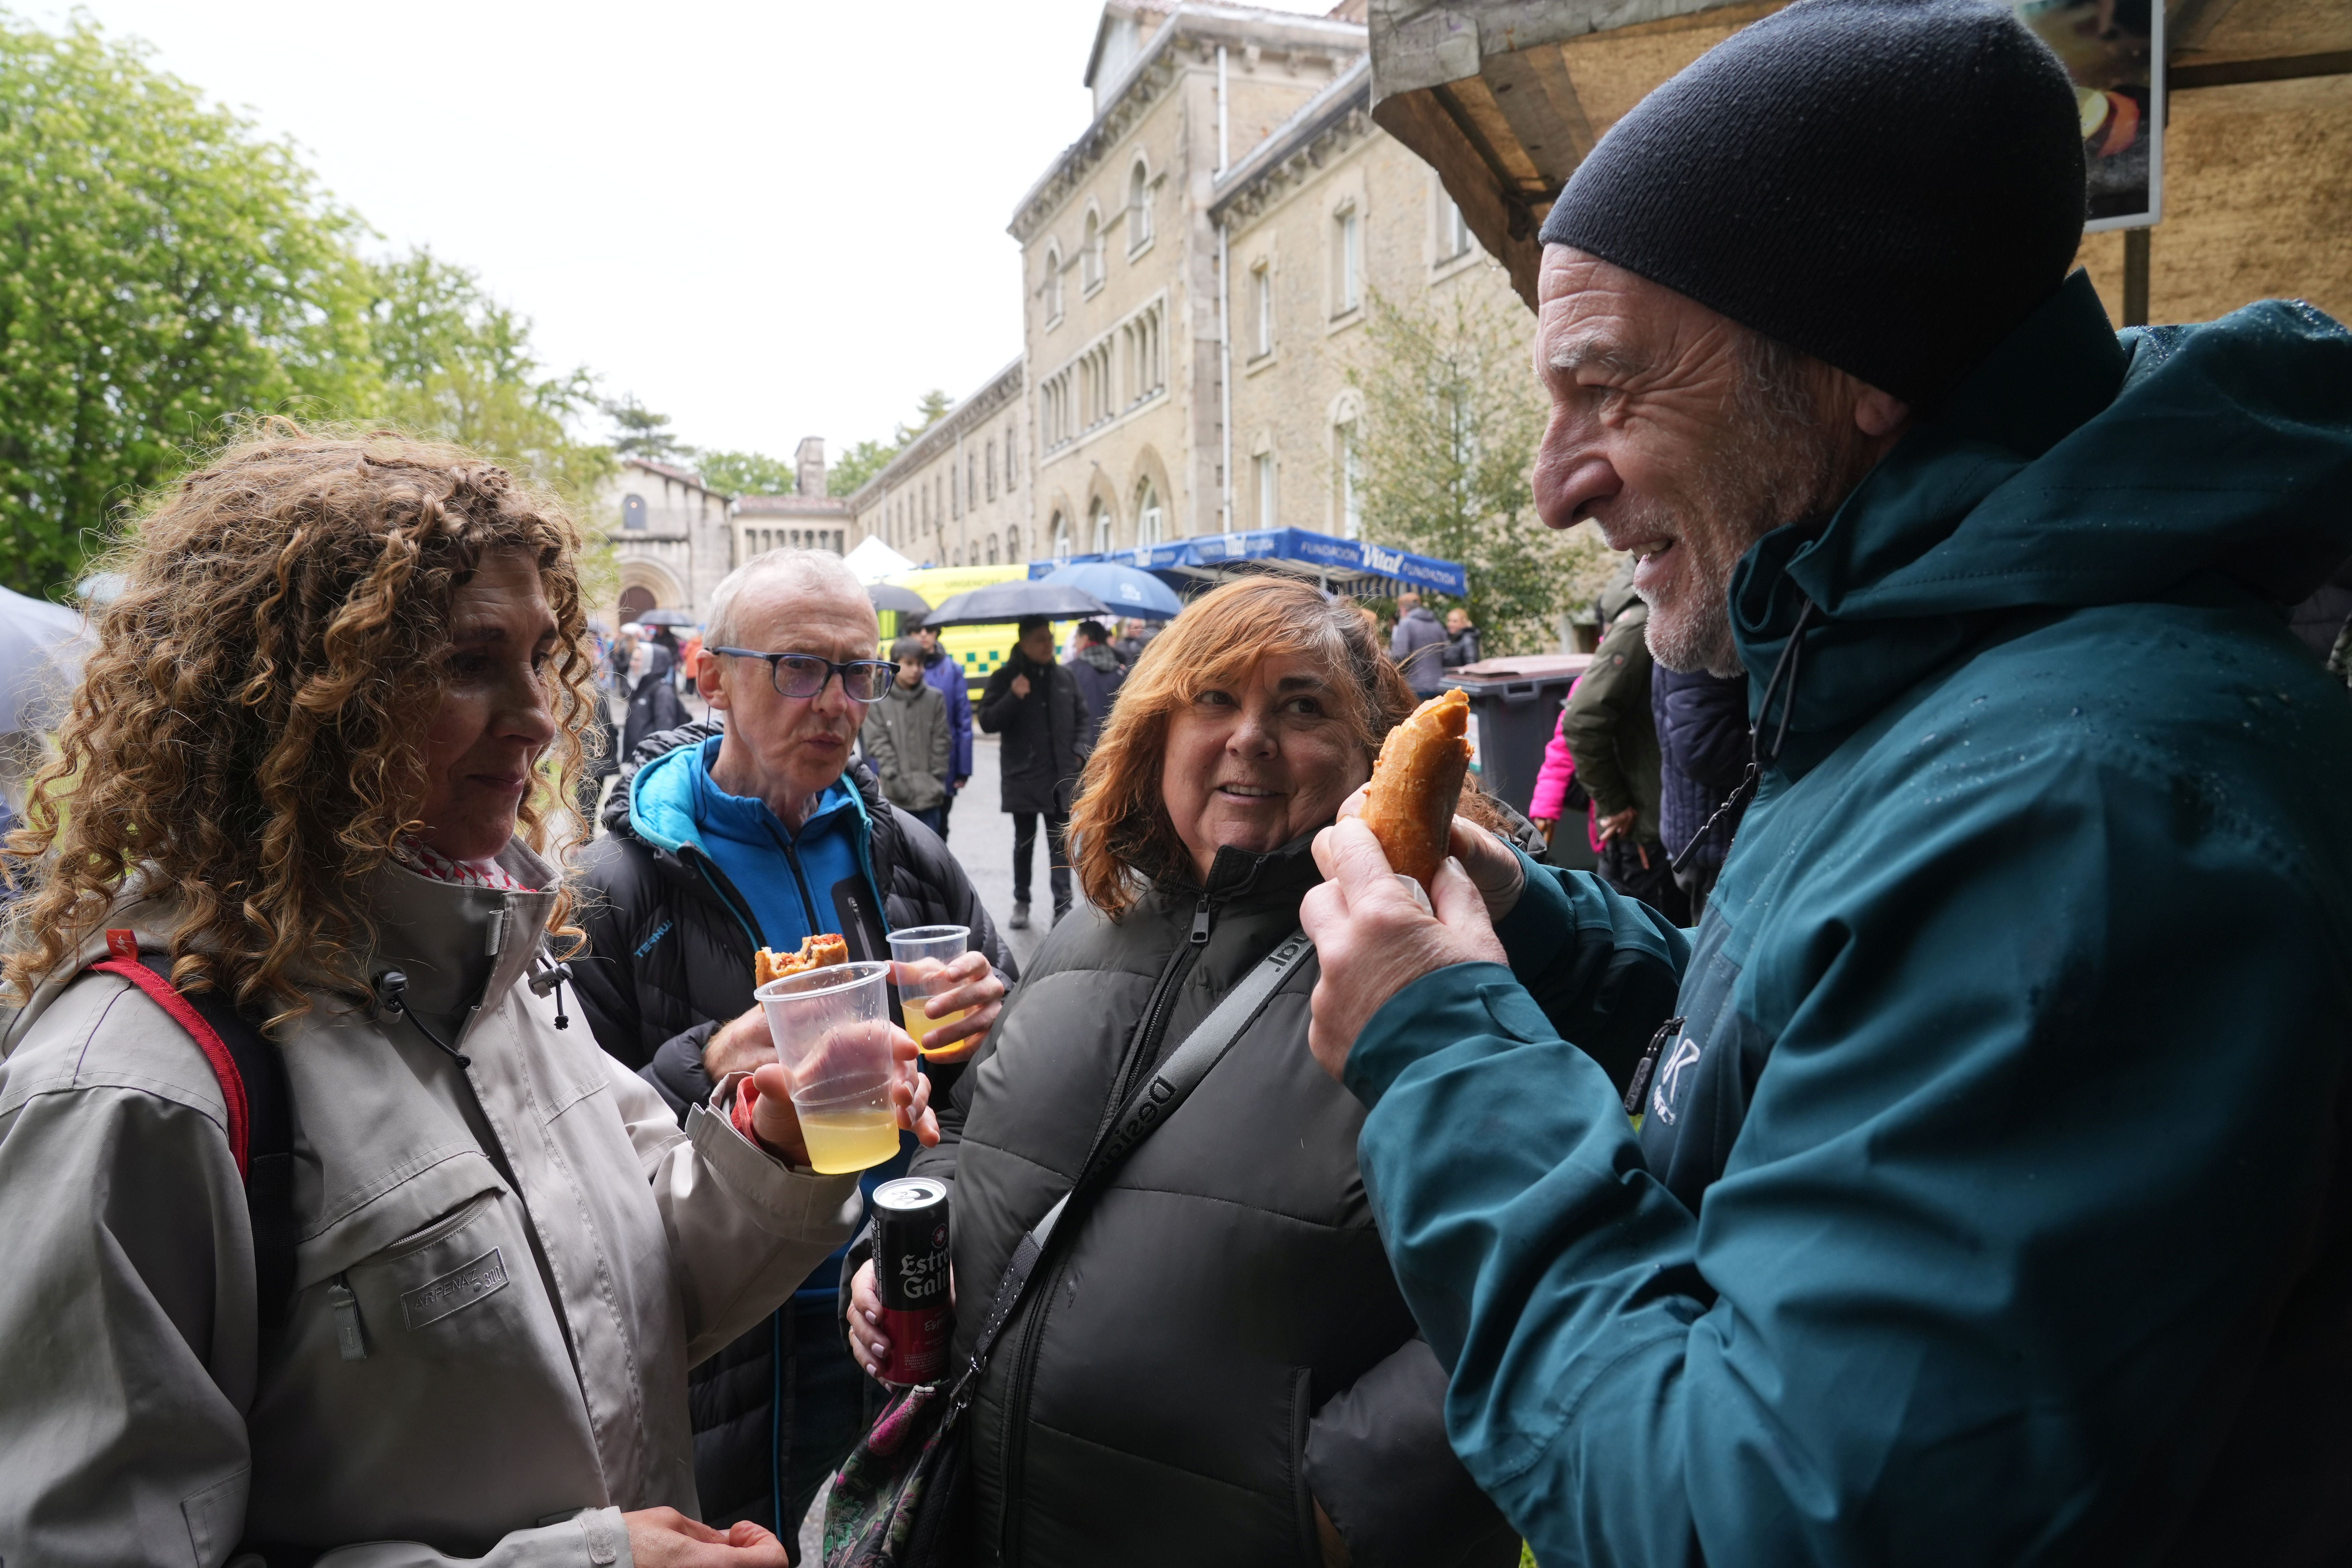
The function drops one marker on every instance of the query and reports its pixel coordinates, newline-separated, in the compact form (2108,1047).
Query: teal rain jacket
(1990,1203)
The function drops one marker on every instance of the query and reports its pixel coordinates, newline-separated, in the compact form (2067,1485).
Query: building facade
(1327,219)
(1121,308)
(804,518)
(959,495)
(1197,267)
(671,534)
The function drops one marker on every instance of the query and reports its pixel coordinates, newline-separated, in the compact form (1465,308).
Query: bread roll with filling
(1416,784)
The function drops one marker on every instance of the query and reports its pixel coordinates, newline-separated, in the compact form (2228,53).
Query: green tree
(747,473)
(161,269)
(864,460)
(456,365)
(1444,453)
(639,432)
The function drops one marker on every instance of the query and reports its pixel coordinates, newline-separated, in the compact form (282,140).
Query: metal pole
(2134,277)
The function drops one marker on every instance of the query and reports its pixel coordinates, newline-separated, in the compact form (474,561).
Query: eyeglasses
(804,674)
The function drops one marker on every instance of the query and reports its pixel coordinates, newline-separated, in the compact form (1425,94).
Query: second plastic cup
(831,1029)
(923,954)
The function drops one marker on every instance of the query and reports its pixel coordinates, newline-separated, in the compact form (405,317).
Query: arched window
(992,550)
(1139,207)
(1090,257)
(1347,466)
(1061,535)
(1098,525)
(1347,259)
(1012,544)
(632,513)
(1053,284)
(1008,456)
(1150,521)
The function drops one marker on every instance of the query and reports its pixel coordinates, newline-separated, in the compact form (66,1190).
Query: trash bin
(1513,708)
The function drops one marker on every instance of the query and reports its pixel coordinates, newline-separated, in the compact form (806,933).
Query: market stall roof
(1505,97)
(1347,564)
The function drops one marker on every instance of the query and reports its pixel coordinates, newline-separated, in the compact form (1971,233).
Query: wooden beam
(1426,127)
(2180,77)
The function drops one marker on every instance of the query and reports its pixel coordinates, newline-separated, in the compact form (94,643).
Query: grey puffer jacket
(1216,1342)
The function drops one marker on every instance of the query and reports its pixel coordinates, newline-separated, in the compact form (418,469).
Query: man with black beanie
(1986,1191)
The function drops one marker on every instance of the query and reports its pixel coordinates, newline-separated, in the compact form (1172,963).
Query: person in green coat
(1610,732)
(1989,1197)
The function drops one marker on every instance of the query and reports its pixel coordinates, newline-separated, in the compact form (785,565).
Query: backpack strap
(261,1111)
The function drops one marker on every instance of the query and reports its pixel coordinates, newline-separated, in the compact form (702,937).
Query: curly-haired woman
(1214,1362)
(315,765)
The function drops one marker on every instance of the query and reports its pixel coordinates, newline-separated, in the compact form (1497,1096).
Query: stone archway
(636,600)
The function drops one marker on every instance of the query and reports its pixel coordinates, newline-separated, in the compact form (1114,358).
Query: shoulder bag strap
(1144,1112)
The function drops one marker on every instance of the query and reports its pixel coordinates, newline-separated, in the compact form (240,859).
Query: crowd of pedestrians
(1924,1139)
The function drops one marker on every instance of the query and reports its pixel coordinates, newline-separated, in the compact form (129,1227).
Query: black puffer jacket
(1043,732)
(669,958)
(669,961)
(1217,1341)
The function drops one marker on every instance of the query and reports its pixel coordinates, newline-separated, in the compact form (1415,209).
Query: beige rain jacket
(502,1272)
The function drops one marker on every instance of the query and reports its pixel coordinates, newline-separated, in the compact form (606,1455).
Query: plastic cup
(831,1029)
(922,954)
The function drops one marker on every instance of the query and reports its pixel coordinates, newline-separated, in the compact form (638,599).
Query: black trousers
(1024,846)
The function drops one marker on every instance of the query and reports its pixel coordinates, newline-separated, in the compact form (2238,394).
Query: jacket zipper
(1142,1058)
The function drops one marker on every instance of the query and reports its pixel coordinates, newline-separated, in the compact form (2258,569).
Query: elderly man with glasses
(753,829)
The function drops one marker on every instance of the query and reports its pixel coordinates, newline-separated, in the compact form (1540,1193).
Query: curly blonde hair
(246,731)
(1121,833)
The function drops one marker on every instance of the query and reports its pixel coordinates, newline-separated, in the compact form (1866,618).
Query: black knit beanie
(1889,185)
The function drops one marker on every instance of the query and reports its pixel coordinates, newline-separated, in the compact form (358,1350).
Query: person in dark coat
(946,676)
(721,840)
(653,704)
(1213,1365)
(1035,705)
(1702,724)
(1099,672)
(1418,646)
(1461,638)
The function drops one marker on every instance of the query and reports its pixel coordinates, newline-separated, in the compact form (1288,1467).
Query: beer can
(910,1267)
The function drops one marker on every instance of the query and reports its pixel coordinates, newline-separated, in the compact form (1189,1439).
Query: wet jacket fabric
(502,1271)
(1702,726)
(910,743)
(1418,646)
(945,676)
(1607,724)
(1043,734)
(1990,1199)
(654,703)
(1219,1342)
(1462,647)
(671,939)
(1099,673)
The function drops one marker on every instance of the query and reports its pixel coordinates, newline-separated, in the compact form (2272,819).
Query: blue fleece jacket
(1990,1199)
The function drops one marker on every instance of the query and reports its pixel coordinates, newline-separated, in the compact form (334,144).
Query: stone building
(1121,323)
(804,518)
(671,533)
(959,495)
(1324,216)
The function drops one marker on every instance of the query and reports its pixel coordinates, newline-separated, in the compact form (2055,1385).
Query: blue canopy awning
(1340,562)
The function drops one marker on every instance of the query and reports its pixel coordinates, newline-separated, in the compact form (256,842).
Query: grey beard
(1773,469)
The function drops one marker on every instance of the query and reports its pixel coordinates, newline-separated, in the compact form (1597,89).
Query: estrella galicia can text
(910,1267)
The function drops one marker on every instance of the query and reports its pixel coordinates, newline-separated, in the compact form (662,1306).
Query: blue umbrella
(1127,589)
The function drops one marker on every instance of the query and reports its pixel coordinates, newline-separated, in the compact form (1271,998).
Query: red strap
(167,996)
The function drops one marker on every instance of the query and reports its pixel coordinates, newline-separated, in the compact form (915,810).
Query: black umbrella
(1012,601)
(667,618)
(890,596)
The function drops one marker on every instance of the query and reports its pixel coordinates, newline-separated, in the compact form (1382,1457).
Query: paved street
(981,838)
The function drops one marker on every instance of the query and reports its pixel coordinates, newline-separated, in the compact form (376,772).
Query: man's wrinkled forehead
(1592,312)
(792,618)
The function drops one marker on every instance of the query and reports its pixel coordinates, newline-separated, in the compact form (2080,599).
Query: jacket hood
(1099,657)
(2075,467)
(666,823)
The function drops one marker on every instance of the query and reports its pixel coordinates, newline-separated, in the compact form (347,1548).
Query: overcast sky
(768,221)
